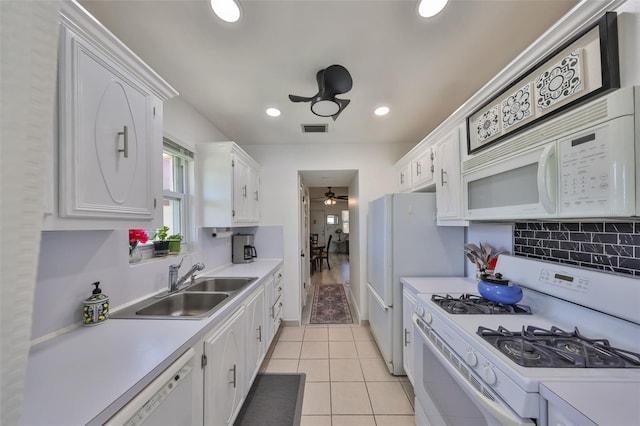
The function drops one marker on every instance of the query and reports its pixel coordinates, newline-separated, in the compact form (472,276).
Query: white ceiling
(423,69)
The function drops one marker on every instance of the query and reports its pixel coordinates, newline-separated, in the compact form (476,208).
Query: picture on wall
(585,67)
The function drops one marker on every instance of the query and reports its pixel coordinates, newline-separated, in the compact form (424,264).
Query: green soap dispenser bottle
(95,309)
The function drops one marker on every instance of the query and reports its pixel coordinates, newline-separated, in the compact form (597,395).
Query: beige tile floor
(347,383)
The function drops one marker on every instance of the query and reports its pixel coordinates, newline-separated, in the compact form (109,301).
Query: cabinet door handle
(418,168)
(257,198)
(244,191)
(233,371)
(442,181)
(259,330)
(406,337)
(125,135)
(401,178)
(273,312)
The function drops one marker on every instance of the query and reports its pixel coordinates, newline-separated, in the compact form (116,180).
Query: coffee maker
(243,250)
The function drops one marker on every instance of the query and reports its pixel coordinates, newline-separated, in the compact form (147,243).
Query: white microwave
(589,173)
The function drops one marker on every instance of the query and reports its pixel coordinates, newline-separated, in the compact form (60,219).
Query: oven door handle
(499,410)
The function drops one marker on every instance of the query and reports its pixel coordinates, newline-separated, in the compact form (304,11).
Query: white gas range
(454,363)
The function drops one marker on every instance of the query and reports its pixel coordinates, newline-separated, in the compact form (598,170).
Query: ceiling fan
(332,81)
(330,198)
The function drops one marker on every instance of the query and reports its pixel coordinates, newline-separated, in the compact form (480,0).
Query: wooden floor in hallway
(347,382)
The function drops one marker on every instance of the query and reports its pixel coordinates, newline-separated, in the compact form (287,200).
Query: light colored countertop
(440,284)
(604,403)
(87,374)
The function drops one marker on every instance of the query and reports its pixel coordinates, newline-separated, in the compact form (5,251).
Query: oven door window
(451,402)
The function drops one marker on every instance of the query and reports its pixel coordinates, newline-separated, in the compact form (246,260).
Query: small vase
(135,255)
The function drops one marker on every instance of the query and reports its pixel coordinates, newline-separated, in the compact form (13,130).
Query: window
(177,165)
(345,221)
(332,219)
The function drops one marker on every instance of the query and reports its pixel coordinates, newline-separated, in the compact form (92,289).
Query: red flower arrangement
(137,236)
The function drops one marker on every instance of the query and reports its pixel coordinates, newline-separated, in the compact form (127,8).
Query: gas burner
(537,347)
(473,304)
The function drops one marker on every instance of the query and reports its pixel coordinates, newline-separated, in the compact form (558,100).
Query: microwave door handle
(546,179)
(254,253)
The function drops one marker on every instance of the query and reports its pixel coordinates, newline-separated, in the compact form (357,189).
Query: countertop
(440,284)
(86,375)
(604,403)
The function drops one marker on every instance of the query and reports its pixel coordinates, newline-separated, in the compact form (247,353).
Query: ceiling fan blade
(342,103)
(295,98)
(337,79)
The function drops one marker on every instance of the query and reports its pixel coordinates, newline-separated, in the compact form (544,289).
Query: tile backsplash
(608,246)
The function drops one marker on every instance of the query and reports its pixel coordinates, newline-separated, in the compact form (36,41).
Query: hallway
(339,274)
(347,383)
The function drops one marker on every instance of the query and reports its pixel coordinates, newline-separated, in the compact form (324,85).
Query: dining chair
(325,253)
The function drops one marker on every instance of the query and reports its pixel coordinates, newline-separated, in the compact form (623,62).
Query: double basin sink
(199,300)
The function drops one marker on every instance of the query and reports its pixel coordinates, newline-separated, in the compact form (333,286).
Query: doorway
(326,221)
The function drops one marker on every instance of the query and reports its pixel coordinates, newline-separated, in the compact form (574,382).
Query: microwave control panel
(585,175)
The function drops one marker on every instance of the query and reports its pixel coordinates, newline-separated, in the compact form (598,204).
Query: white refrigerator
(404,241)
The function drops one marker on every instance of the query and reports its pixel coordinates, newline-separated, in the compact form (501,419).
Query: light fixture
(227,10)
(273,112)
(383,110)
(325,108)
(429,8)
(329,202)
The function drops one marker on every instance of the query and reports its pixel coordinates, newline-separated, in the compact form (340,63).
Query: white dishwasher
(165,401)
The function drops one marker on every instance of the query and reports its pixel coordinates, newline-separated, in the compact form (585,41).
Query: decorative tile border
(607,246)
(562,80)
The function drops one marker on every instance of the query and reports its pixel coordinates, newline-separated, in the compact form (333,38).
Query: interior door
(303,244)
(317,225)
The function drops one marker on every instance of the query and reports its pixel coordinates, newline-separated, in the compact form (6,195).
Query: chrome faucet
(175,282)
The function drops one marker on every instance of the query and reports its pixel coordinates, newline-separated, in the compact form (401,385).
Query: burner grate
(474,304)
(556,348)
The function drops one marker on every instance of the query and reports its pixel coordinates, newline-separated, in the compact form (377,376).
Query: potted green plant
(174,243)
(160,243)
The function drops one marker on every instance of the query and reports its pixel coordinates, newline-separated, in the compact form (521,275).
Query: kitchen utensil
(497,289)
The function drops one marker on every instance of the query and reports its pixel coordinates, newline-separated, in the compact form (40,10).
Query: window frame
(183,173)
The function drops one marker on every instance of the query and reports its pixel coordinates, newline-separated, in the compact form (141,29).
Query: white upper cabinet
(403,177)
(447,176)
(422,168)
(108,172)
(228,185)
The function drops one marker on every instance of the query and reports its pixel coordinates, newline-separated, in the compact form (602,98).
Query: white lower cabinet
(256,343)
(224,379)
(408,306)
(276,302)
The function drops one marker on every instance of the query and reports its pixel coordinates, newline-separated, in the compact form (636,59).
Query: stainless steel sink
(175,306)
(184,305)
(226,284)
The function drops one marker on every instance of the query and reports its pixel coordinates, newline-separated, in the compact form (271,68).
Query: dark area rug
(273,400)
(330,305)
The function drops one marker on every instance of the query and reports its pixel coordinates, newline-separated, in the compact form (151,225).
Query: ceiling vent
(315,128)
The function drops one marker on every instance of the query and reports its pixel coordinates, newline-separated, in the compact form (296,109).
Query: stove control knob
(472,359)
(419,311)
(489,375)
(428,318)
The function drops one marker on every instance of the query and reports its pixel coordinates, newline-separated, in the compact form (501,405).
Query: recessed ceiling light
(227,10)
(383,110)
(273,112)
(429,8)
